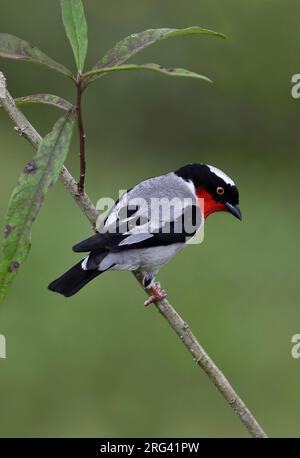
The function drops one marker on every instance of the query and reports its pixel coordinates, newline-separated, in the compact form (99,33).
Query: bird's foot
(156,293)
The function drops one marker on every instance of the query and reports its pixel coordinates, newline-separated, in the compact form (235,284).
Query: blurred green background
(100,364)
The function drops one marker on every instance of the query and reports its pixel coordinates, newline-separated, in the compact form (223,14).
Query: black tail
(73,280)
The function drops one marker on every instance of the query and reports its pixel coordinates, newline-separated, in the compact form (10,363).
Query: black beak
(234,210)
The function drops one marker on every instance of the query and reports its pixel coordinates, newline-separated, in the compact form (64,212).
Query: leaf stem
(82,136)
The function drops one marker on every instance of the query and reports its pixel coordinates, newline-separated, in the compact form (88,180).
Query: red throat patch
(204,198)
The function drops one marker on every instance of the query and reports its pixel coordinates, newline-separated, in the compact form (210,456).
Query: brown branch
(181,328)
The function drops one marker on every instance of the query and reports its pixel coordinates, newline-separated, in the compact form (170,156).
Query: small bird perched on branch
(150,224)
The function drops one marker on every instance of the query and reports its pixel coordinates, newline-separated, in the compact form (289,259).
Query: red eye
(220,190)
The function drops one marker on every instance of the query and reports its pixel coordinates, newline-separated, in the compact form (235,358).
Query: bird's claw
(156,294)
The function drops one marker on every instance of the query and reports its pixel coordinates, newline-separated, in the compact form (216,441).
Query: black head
(218,190)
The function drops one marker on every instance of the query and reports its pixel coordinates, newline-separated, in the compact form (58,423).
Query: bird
(150,224)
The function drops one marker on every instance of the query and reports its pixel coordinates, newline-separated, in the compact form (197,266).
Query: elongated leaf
(46,99)
(76,29)
(134,43)
(39,174)
(170,71)
(12,47)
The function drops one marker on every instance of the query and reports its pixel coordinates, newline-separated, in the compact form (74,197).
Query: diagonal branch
(182,329)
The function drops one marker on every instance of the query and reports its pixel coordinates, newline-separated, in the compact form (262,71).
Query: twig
(80,89)
(165,308)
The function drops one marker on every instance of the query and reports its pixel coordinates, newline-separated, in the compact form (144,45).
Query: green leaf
(38,176)
(170,71)
(12,47)
(76,29)
(46,99)
(134,43)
